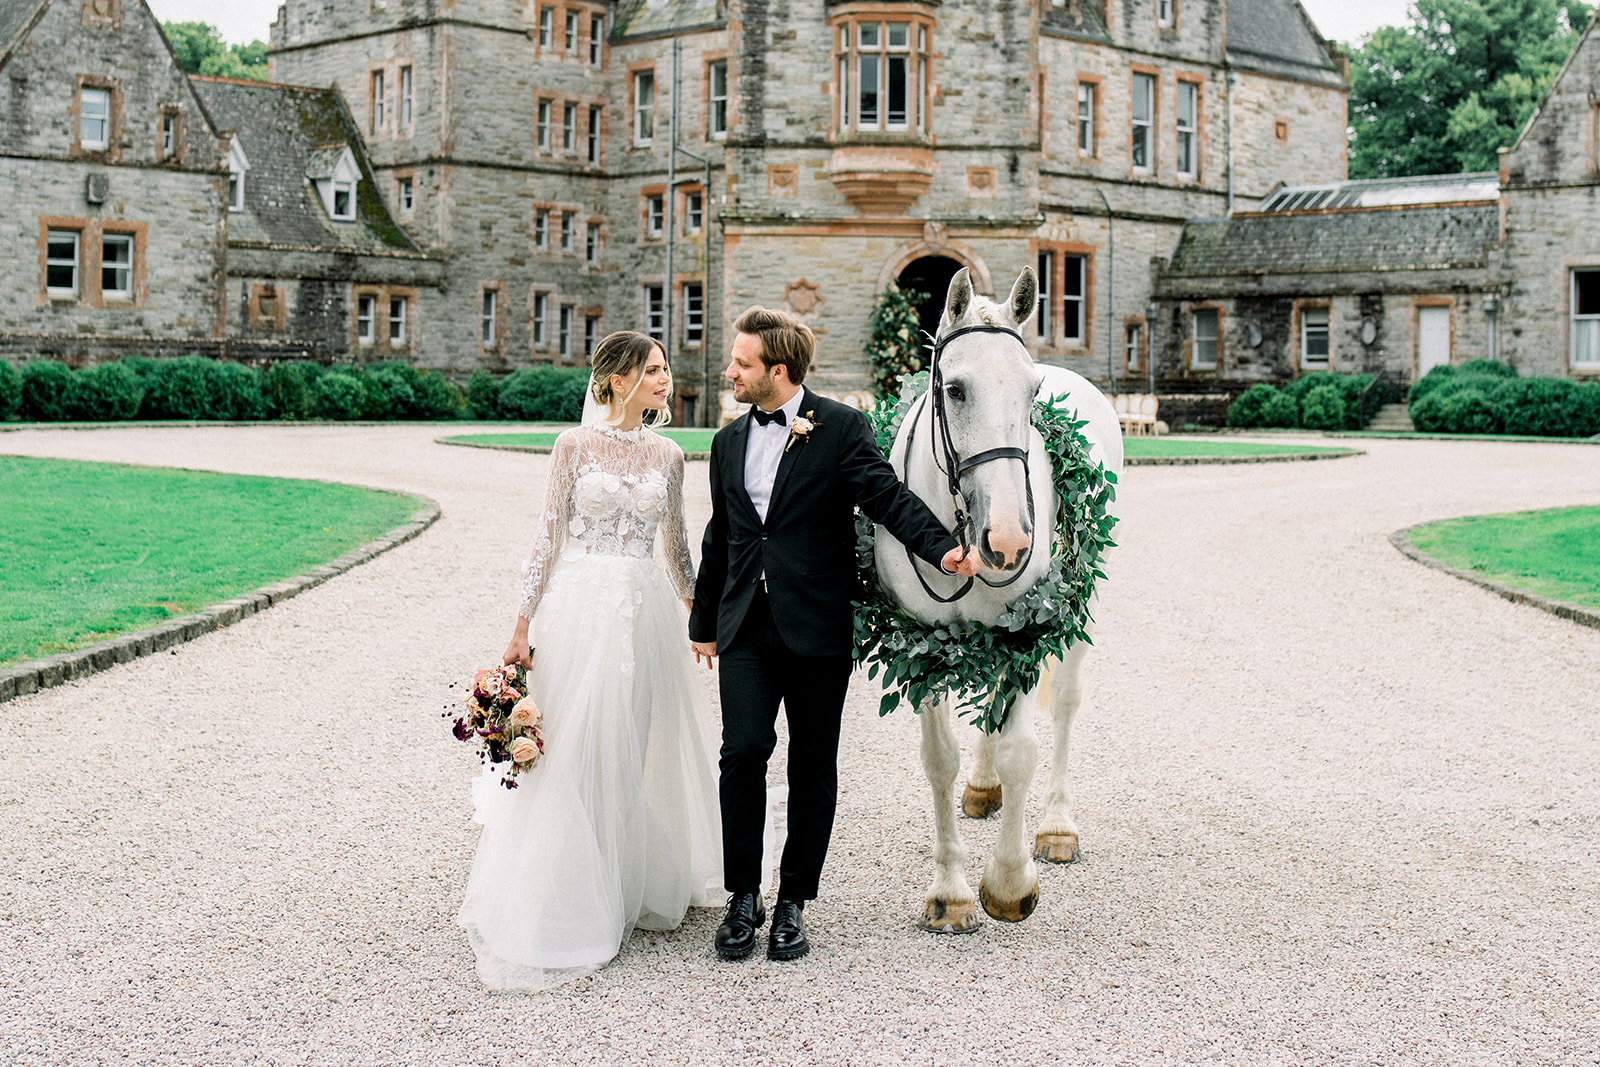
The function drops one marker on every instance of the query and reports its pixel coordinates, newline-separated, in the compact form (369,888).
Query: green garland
(992,665)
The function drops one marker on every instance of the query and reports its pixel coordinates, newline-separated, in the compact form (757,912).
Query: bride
(616,826)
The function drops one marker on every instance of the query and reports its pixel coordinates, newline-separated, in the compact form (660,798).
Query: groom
(777,576)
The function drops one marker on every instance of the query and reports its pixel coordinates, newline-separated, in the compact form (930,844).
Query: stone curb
(69,666)
(1577,613)
(1199,461)
(538,450)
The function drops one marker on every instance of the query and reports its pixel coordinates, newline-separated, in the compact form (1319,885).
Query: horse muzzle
(1004,551)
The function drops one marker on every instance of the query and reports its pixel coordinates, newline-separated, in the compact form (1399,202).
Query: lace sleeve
(674,536)
(552,526)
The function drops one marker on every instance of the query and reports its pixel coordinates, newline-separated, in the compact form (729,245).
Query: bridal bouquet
(502,720)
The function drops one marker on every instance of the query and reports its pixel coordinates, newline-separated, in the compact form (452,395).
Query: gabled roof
(15,18)
(639,18)
(1405,238)
(1078,18)
(1278,37)
(287,130)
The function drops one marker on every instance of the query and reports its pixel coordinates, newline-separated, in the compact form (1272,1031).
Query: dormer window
(882,70)
(334,174)
(238,167)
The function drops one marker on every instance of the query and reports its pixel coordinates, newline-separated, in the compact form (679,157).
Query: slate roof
(1278,37)
(14,17)
(638,18)
(283,130)
(1080,18)
(1406,238)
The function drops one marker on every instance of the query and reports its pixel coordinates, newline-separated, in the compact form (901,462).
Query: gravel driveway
(1336,808)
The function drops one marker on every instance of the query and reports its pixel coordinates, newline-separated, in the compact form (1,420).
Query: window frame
(655,311)
(569,27)
(591,243)
(592,151)
(1088,123)
(717,104)
(1074,305)
(694,314)
(1044,265)
(366,324)
(61,292)
(107,131)
(401,320)
(569,127)
(541,229)
(1143,130)
(547,22)
(694,211)
(655,215)
(541,124)
(853,54)
(1191,88)
(1195,313)
(564,317)
(169,134)
(1574,320)
(124,240)
(407,94)
(489,333)
(1166,12)
(644,114)
(540,319)
(1305,312)
(405,195)
(567,237)
(597,38)
(377,92)
(591,334)
(348,189)
(1133,346)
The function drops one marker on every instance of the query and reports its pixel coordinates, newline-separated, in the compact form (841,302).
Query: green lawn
(1162,447)
(91,550)
(689,440)
(1554,553)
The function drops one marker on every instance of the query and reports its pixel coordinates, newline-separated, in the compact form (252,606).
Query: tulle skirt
(617,825)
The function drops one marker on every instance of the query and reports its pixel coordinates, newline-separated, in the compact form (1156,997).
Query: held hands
(957,561)
(708,649)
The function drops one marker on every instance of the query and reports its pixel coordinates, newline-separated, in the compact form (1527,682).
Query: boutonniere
(800,429)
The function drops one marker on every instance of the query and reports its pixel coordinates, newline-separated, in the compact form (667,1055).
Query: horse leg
(982,796)
(1010,886)
(950,907)
(1057,839)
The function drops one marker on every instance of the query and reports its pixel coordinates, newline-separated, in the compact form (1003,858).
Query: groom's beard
(760,392)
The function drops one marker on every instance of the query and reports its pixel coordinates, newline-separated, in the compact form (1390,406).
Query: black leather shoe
(787,940)
(736,937)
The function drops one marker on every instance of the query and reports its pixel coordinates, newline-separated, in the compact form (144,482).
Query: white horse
(989,383)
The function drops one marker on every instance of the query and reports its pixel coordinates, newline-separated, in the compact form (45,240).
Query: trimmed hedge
(1342,402)
(196,388)
(543,394)
(1486,397)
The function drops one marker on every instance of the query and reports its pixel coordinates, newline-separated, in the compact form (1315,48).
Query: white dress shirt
(764,451)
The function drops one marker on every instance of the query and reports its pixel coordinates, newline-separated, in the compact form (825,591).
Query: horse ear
(1024,296)
(959,297)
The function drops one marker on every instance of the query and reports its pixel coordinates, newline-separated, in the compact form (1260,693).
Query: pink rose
(525,750)
(526,713)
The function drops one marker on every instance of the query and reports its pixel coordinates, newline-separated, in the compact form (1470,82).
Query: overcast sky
(247,20)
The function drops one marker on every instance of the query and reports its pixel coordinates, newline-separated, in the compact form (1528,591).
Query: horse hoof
(1009,911)
(943,917)
(980,803)
(1056,848)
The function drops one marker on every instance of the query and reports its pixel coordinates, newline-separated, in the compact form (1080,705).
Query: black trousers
(759,672)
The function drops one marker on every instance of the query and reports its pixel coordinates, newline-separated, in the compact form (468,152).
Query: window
(236,191)
(694,313)
(569,128)
(1144,106)
(1204,353)
(405,98)
(1072,294)
(377,101)
(564,333)
(404,195)
(541,311)
(366,313)
(169,134)
(1585,317)
(591,244)
(644,107)
(655,210)
(546,21)
(116,266)
(1046,263)
(344,200)
(94,118)
(1314,337)
(541,230)
(594,136)
(1188,112)
(490,316)
(881,75)
(718,72)
(1132,345)
(591,333)
(397,320)
(566,231)
(1164,12)
(1086,145)
(693,212)
(597,35)
(571,41)
(655,311)
(542,130)
(61,262)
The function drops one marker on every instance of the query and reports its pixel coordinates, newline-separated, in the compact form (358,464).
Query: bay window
(882,72)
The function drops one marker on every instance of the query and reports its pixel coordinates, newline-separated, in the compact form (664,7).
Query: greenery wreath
(990,666)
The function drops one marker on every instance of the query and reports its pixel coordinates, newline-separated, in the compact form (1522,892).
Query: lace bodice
(609,491)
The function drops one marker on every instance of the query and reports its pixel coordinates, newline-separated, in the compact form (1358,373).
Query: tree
(201,50)
(1442,94)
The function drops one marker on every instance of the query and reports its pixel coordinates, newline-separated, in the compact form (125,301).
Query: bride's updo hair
(624,354)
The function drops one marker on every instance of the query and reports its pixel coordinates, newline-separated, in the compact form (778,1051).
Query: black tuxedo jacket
(807,546)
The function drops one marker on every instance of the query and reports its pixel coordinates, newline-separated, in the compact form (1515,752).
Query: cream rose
(526,713)
(525,750)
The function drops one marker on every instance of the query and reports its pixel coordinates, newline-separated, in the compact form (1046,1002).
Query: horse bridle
(952,466)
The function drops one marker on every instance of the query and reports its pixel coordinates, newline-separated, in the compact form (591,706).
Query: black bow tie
(766,418)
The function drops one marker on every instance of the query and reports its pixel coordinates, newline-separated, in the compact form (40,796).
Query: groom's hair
(784,339)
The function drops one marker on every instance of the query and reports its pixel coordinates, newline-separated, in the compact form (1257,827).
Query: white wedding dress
(617,825)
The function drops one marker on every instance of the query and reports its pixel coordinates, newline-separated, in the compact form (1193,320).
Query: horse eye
(955,392)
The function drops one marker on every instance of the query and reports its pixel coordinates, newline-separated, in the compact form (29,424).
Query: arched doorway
(929,276)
